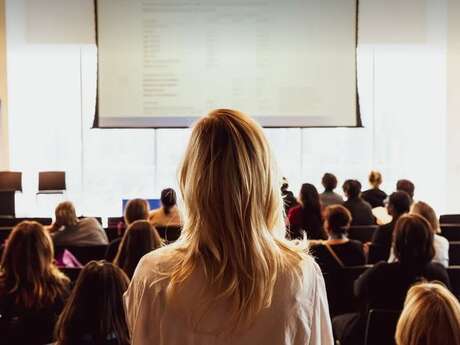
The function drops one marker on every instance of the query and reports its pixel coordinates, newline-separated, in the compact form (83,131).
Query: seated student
(374,196)
(385,285)
(361,211)
(338,250)
(139,239)
(94,313)
(32,290)
(232,278)
(431,315)
(398,204)
(329,197)
(68,230)
(307,217)
(441,244)
(406,186)
(136,209)
(168,214)
(289,199)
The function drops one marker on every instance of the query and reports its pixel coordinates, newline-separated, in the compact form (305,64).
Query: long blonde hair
(234,228)
(431,315)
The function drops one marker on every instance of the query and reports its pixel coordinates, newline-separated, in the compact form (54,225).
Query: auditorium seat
(340,289)
(114,221)
(381,327)
(5,231)
(15,221)
(376,254)
(454,253)
(84,254)
(363,233)
(71,273)
(451,232)
(112,233)
(449,219)
(169,233)
(454,277)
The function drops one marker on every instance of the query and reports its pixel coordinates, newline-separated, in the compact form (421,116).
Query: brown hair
(413,241)
(139,239)
(27,269)
(338,219)
(329,182)
(431,315)
(95,307)
(426,211)
(375,179)
(65,215)
(136,209)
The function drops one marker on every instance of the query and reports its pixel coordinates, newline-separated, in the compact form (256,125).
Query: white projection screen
(164,63)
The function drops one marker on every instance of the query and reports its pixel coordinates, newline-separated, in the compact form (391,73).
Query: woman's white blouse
(298,314)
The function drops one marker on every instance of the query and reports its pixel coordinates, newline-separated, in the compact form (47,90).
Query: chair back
(381,327)
(454,253)
(4,233)
(451,232)
(363,233)
(449,219)
(169,233)
(340,289)
(84,254)
(11,222)
(454,277)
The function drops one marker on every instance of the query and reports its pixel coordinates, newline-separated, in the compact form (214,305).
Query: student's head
(234,214)
(65,214)
(426,211)
(352,189)
(284,184)
(431,315)
(337,220)
(329,182)
(398,204)
(95,307)
(375,179)
(27,268)
(168,199)
(406,186)
(309,197)
(139,239)
(413,241)
(136,209)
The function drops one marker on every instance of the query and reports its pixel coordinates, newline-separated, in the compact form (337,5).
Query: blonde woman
(441,244)
(431,315)
(231,278)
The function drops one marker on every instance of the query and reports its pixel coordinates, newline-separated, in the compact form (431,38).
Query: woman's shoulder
(156,263)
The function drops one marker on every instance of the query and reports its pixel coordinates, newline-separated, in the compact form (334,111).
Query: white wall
(403,90)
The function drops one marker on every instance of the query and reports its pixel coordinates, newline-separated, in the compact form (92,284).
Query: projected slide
(164,63)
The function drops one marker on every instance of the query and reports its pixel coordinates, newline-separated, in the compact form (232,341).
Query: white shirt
(298,314)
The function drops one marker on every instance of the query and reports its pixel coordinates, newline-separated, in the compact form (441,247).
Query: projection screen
(164,63)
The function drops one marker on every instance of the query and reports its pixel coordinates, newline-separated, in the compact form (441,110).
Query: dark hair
(27,270)
(338,219)
(413,241)
(352,188)
(168,199)
(136,209)
(406,186)
(309,198)
(329,182)
(139,239)
(400,202)
(284,184)
(95,307)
